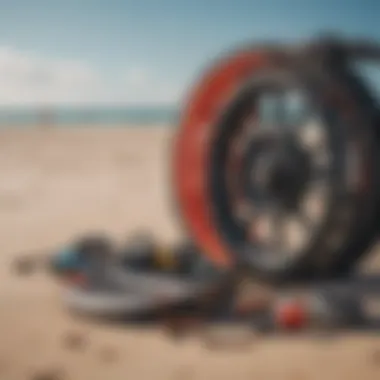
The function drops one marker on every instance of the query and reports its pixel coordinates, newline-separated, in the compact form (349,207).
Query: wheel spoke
(305,221)
(267,225)
(297,233)
(245,211)
(300,109)
(312,136)
(319,175)
(250,127)
(260,226)
(314,203)
(279,221)
(280,111)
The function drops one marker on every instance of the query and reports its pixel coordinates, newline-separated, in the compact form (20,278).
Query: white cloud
(29,79)
(137,77)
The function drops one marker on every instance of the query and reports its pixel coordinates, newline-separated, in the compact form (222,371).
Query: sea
(129,116)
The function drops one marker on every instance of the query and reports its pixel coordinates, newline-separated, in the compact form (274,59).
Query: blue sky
(151,48)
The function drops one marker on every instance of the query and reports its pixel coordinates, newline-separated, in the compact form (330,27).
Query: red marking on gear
(192,146)
(291,315)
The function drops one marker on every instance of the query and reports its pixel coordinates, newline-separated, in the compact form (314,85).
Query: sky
(147,51)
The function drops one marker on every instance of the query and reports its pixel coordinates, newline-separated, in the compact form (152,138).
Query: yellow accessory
(164,257)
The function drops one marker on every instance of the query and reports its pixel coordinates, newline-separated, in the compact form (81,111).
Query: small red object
(291,315)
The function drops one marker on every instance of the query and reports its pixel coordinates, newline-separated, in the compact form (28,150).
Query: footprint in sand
(109,354)
(49,374)
(75,341)
(24,266)
(78,341)
(375,358)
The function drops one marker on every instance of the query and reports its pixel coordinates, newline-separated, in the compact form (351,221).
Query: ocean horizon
(97,115)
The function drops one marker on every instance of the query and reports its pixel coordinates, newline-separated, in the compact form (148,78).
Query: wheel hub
(279,175)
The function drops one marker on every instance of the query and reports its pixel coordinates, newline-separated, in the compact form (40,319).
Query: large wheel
(299,198)
(219,145)
(215,153)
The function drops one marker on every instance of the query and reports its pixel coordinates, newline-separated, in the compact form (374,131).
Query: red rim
(193,142)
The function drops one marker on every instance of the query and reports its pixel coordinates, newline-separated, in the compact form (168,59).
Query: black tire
(355,232)
(365,231)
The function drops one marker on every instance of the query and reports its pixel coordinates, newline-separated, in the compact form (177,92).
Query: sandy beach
(59,183)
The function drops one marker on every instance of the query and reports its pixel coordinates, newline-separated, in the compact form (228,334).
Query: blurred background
(90,94)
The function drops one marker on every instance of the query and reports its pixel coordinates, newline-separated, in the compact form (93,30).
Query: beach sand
(58,183)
